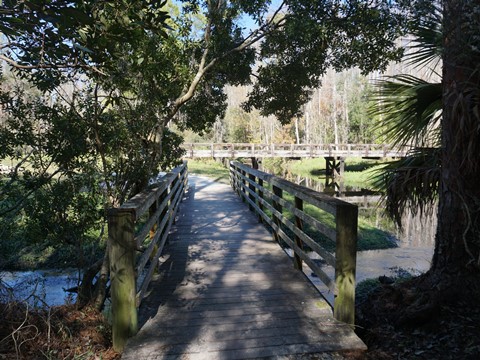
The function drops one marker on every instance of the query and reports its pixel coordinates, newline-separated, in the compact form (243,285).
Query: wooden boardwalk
(233,151)
(226,290)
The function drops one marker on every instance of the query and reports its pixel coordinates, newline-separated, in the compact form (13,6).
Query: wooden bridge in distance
(225,288)
(251,150)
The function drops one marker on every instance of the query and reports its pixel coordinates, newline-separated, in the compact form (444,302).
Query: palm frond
(410,183)
(426,49)
(409,109)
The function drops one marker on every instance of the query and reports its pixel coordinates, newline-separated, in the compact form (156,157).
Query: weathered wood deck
(226,290)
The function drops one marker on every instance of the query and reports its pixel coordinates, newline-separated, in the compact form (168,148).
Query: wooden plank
(313,197)
(142,201)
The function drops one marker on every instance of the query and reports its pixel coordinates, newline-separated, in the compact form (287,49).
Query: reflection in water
(41,287)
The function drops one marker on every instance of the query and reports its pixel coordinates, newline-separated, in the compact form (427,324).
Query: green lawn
(209,168)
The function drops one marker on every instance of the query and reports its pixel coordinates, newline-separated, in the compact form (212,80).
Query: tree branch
(255,36)
(74,65)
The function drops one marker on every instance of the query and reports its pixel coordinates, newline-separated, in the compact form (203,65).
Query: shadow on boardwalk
(226,290)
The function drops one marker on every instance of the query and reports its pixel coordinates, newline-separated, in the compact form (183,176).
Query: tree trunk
(456,261)
(334,101)
(86,288)
(307,127)
(297,132)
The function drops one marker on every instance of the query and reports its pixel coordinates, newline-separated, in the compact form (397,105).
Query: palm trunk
(456,260)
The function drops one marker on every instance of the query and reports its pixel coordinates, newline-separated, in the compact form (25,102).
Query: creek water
(39,287)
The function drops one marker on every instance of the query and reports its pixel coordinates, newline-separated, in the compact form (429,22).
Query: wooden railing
(272,198)
(137,233)
(232,151)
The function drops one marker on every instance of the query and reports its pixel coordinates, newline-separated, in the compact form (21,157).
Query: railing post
(243,185)
(236,179)
(252,188)
(122,276)
(172,185)
(346,257)
(260,205)
(151,212)
(297,261)
(278,192)
(232,175)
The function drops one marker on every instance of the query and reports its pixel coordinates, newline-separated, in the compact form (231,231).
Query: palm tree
(449,166)
(410,109)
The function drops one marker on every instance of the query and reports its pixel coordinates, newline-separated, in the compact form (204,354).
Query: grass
(368,286)
(358,172)
(209,168)
(22,254)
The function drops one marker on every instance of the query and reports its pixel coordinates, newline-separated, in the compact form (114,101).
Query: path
(226,290)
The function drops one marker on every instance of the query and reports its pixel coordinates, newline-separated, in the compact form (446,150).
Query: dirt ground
(59,333)
(437,332)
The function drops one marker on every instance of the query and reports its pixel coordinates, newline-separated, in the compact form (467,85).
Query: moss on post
(346,257)
(122,275)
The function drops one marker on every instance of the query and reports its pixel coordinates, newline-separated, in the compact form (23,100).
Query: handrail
(137,233)
(234,150)
(265,195)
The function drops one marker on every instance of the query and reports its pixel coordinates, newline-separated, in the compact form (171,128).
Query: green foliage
(365,288)
(338,34)
(209,168)
(411,110)
(45,38)
(171,150)
(362,124)
(239,126)
(411,182)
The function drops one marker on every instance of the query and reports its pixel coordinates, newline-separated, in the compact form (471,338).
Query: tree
(445,163)
(88,129)
(456,263)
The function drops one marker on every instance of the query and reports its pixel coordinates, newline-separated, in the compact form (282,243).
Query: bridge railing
(237,150)
(289,209)
(137,233)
